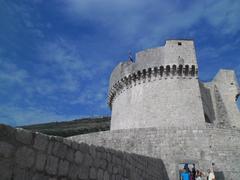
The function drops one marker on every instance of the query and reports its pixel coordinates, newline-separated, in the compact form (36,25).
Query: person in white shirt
(211,175)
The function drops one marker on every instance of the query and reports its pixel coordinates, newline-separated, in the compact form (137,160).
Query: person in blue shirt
(185,175)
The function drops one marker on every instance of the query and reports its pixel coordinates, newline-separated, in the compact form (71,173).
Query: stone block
(68,142)
(74,171)
(41,161)
(84,148)
(100,174)
(70,155)
(24,136)
(59,149)
(6,169)
(25,157)
(106,176)
(88,161)
(50,147)
(22,174)
(93,173)
(83,173)
(78,157)
(41,142)
(39,176)
(52,164)
(6,149)
(63,168)
(52,178)
(103,163)
(92,151)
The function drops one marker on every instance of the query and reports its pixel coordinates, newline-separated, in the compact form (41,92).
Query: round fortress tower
(160,89)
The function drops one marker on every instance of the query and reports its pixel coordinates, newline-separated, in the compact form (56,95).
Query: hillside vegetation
(71,128)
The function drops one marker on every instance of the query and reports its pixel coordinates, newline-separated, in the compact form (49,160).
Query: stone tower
(159,89)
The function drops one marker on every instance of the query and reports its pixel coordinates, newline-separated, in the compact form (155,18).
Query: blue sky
(56,56)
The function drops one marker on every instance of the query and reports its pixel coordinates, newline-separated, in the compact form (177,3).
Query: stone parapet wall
(202,146)
(151,74)
(33,156)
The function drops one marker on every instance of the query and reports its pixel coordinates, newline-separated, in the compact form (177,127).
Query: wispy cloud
(155,19)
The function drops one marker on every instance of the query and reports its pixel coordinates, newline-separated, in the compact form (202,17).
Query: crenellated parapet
(149,75)
(159,89)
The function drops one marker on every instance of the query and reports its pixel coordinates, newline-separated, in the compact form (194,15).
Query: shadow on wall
(219,175)
(26,155)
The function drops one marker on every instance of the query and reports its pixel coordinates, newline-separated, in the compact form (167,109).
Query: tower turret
(160,89)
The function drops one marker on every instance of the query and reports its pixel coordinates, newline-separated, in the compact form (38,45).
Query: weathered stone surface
(24,136)
(84,147)
(93,173)
(106,176)
(100,174)
(83,172)
(41,142)
(6,149)
(50,147)
(52,164)
(25,157)
(70,155)
(79,157)
(92,150)
(22,174)
(41,161)
(53,178)
(74,171)
(63,168)
(59,149)
(6,169)
(39,176)
(87,160)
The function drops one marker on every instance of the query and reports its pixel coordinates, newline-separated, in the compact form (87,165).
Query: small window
(179,43)
(232,83)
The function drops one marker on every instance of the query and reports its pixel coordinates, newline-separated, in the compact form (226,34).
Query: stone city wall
(33,156)
(177,145)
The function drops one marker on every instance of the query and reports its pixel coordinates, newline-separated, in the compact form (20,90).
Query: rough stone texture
(40,161)
(23,136)
(166,95)
(6,149)
(52,164)
(174,146)
(40,142)
(63,168)
(23,161)
(161,89)
(25,157)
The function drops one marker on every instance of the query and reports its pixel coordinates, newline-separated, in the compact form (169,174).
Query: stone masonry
(161,109)
(161,89)
(33,156)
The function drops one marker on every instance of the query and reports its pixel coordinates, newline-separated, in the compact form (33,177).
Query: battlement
(175,59)
(151,74)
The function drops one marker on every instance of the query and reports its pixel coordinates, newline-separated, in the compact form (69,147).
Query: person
(185,175)
(193,172)
(211,175)
(198,175)
(186,168)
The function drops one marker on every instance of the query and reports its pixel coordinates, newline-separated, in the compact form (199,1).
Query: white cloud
(10,74)
(154,19)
